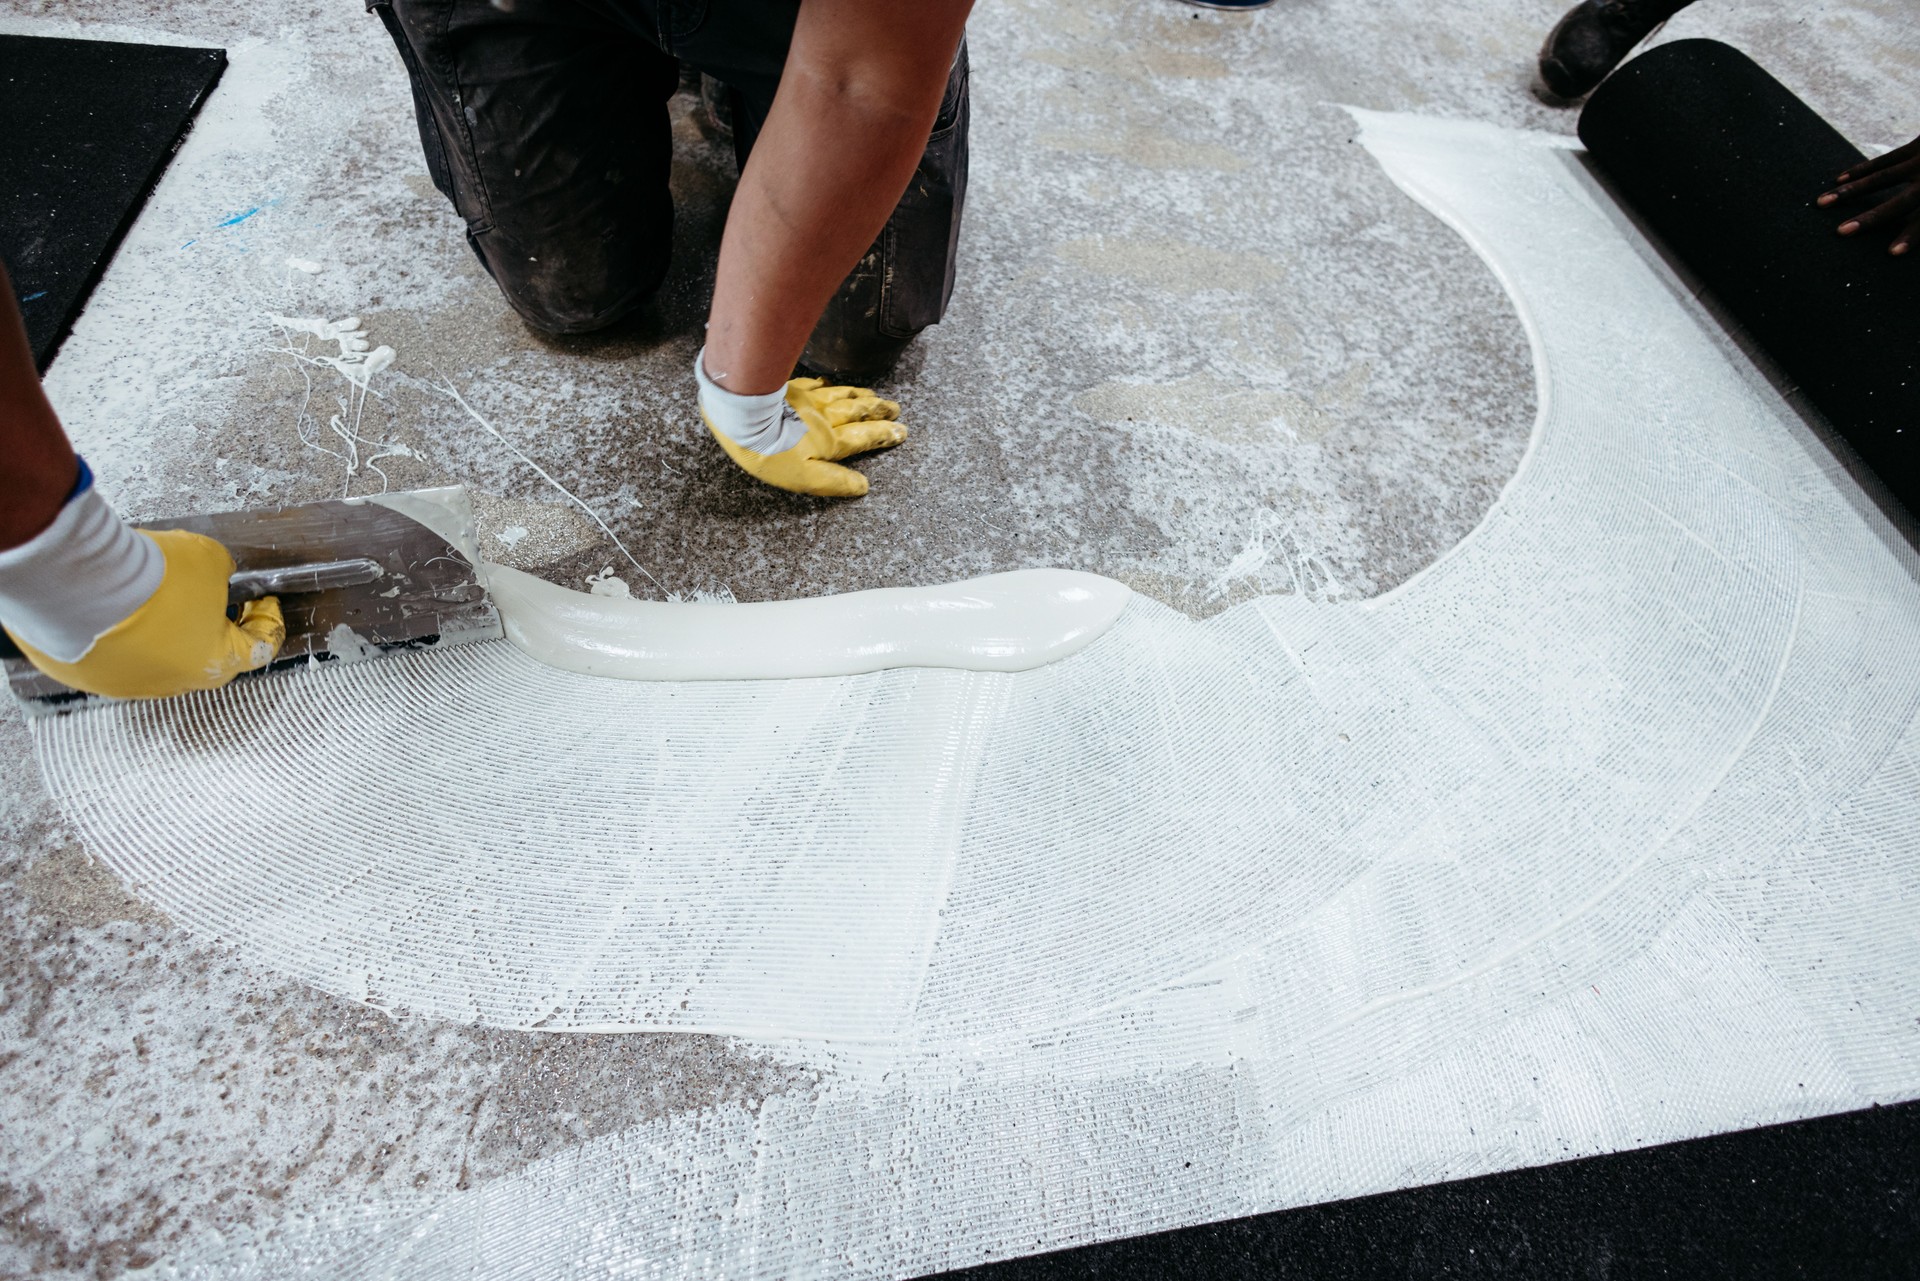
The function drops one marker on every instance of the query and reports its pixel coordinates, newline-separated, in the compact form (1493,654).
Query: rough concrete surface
(1190,313)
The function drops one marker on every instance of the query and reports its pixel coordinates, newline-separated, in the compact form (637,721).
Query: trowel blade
(428,594)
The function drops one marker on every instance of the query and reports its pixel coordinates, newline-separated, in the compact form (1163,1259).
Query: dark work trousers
(545,123)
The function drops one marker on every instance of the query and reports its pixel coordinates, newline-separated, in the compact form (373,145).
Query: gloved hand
(127,613)
(792,438)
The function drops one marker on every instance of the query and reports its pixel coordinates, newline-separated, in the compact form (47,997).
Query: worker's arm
(89,600)
(857,101)
(37,464)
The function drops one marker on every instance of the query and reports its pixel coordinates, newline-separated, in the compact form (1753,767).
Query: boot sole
(1552,99)
(1548,97)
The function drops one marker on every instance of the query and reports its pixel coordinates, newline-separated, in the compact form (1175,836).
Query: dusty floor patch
(157,1090)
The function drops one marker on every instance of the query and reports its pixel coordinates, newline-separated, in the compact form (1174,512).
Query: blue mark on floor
(31,297)
(239,217)
(194,241)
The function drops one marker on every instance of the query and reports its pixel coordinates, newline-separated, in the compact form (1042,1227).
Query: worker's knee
(574,287)
(572,311)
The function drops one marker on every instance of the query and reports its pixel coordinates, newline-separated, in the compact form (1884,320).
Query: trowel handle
(318,576)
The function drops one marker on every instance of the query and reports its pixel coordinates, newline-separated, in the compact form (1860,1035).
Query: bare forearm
(863,84)
(37,464)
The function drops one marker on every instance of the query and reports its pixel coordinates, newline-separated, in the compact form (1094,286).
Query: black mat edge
(45,351)
(1889,513)
(1836,1196)
(1831,388)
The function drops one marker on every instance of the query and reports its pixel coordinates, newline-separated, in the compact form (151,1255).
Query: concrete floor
(1189,309)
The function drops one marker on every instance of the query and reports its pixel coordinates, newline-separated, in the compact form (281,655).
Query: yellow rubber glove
(840,422)
(180,639)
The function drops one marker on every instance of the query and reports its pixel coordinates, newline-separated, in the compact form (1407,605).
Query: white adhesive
(1000,623)
(345,645)
(1312,577)
(609,584)
(356,361)
(1597,833)
(446,511)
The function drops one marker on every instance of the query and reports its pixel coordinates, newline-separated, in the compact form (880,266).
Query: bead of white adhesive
(1001,623)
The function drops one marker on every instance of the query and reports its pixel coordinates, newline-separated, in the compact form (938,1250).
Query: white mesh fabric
(1525,860)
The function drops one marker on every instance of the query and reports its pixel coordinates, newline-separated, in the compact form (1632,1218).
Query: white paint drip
(348,646)
(512,534)
(1599,832)
(357,362)
(448,389)
(353,361)
(307,265)
(606,583)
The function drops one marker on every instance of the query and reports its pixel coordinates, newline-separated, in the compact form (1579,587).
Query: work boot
(1591,40)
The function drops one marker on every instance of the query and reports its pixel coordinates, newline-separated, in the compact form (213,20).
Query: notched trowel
(356,579)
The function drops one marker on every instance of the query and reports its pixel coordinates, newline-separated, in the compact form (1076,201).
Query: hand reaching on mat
(793,438)
(1899,170)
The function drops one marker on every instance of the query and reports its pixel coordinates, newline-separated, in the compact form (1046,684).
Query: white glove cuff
(81,576)
(765,424)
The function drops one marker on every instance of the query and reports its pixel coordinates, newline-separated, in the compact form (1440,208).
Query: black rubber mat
(90,125)
(1723,163)
(1838,1197)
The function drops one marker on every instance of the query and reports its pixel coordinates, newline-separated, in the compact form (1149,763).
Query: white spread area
(1600,832)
